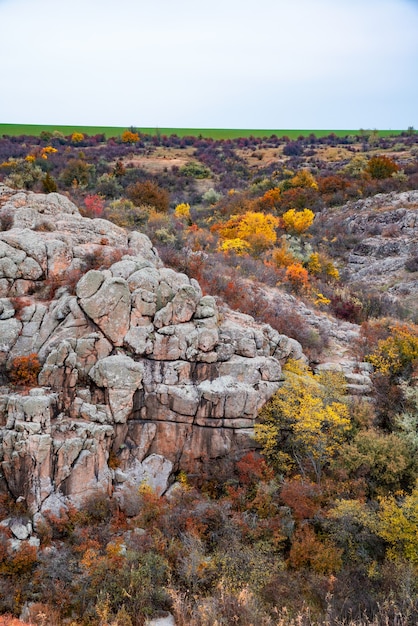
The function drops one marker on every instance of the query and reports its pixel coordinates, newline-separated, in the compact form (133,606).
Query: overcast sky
(268,64)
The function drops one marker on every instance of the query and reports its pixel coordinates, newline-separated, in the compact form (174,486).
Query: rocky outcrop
(141,374)
(383,231)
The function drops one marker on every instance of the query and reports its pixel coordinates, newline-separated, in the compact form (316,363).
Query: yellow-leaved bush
(77,137)
(398,353)
(237,246)
(298,222)
(395,521)
(398,525)
(256,229)
(305,423)
(320,265)
(303,179)
(182,211)
(129,137)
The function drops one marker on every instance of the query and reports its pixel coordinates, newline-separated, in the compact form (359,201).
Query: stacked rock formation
(142,375)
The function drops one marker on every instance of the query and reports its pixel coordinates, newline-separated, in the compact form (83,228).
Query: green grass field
(214,133)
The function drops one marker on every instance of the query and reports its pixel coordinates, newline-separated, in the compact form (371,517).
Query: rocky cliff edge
(141,375)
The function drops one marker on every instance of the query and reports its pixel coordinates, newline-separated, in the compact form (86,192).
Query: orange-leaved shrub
(24,370)
(297,276)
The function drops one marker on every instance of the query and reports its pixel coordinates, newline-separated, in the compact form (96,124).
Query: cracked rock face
(141,374)
(385,253)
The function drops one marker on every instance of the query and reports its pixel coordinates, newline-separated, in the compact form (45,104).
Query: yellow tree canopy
(257,229)
(305,423)
(298,222)
(238,246)
(304,179)
(398,526)
(397,353)
(182,211)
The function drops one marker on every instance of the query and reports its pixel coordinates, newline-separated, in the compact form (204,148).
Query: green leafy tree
(356,166)
(124,213)
(384,460)
(195,170)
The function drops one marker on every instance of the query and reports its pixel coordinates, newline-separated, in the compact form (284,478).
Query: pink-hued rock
(137,366)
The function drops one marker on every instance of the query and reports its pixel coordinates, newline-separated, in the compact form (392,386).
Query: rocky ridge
(385,250)
(141,374)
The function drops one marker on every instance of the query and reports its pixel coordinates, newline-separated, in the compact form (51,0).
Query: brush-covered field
(317,237)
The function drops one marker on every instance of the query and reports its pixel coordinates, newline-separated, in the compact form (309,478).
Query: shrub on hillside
(293,148)
(94,205)
(297,222)
(129,137)
(77,137)
(124,213)
(149,193)
(108,186)
(48,184)
(195,170)
(22,173)
(398,353)
(77,173)
(298,198)
(380,167)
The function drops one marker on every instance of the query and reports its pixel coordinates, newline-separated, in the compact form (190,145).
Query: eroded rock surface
(141,374)
(382,254)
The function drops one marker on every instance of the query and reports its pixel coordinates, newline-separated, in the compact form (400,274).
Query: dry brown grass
(333,153)
(160,159)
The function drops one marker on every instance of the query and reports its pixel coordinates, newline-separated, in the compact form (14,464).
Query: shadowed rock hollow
(141,374)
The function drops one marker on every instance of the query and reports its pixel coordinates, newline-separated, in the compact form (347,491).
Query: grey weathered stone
(139,339)
(21,530)
(9,332)
(138,364)
(122,377)
(110,307)
(89,284)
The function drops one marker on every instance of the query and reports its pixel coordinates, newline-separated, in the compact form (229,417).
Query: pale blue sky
(343,64)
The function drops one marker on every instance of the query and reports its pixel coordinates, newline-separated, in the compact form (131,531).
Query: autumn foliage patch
(24,370)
